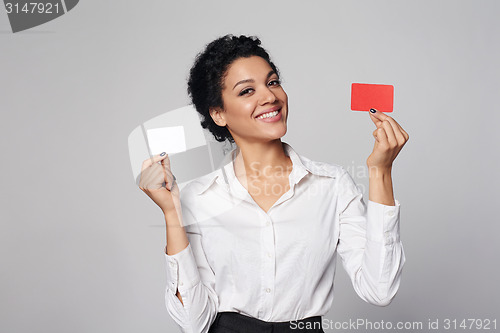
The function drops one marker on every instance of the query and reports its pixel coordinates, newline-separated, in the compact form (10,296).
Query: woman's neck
(261,158)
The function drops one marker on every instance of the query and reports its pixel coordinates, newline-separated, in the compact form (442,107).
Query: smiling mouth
(270,114)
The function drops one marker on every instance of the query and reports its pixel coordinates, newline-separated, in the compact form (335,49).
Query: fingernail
(162,154)
(373,110)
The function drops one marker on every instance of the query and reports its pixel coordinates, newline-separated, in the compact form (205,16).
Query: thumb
(375,117)
(154,159)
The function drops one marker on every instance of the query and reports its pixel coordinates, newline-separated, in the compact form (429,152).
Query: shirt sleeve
(369,244)
(189,272)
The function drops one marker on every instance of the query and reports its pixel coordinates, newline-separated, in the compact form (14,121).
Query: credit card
(365,96)
(166,139)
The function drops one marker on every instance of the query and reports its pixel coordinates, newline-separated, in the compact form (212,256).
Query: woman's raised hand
(390,138)
(158,182)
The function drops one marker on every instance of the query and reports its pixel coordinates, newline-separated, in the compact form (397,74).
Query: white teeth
(268,115)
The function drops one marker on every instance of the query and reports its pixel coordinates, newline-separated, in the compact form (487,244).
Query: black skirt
(233,322)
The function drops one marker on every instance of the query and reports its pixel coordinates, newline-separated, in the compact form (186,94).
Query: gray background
(81,245)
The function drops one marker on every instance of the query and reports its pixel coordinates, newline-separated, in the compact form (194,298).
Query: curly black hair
(207,75)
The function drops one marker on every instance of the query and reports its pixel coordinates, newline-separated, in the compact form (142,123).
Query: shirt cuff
(182,271)
(382,222)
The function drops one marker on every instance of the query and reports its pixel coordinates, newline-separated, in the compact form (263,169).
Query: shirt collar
(301,167)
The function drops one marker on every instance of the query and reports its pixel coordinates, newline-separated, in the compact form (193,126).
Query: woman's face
(252,89)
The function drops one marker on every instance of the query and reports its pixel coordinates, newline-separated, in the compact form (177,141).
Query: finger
(378,114)
(152,177)
(391,136)
(154,159)
(381,136)
(375,120)
(406,135)
(374,133)
(167,173)
(396,129)
(400,134)
(382,121)
(166,162)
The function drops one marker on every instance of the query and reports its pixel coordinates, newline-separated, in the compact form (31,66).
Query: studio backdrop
(81,246)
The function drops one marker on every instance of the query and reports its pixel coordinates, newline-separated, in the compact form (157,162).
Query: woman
(251,247)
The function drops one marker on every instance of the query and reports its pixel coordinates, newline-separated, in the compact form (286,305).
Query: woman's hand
(389,140)
(158,182)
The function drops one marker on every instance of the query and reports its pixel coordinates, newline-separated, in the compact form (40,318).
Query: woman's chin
(278,133)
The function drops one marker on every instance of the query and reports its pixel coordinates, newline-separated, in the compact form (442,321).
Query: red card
(367,96)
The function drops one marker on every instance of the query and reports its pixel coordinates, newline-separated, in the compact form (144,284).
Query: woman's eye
(246,91)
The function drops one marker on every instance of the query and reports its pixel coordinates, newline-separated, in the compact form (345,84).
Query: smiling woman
(236,236)
(229,68)
(255,109)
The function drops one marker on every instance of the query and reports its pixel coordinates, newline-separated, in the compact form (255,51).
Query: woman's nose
(267,96)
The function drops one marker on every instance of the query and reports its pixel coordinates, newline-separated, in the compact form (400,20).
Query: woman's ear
(217,116)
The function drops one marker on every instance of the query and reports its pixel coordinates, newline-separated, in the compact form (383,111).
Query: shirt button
(390,213)
(172,264)
(388,238)
(268,290)
(269,254)
(181,283)
(268,223)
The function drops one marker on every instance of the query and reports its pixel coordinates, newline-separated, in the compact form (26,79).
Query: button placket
(268,265)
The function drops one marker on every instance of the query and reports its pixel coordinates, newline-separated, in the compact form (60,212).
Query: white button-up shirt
(280,265)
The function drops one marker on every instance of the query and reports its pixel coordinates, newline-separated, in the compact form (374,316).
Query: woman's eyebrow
(252,80)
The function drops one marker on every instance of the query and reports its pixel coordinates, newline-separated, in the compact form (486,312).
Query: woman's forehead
(253,67)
